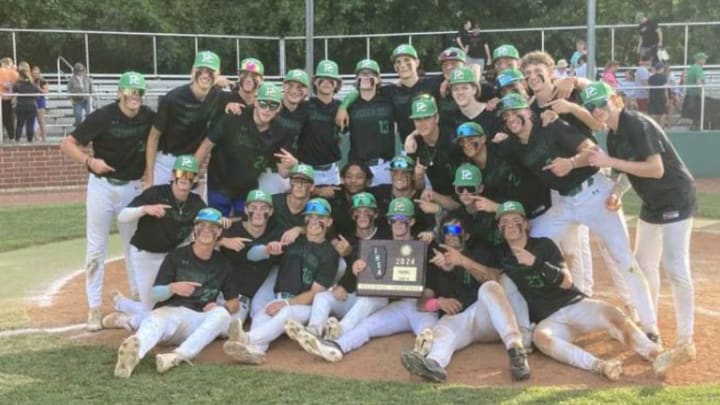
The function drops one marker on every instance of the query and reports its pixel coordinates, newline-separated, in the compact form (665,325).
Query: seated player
(186,314)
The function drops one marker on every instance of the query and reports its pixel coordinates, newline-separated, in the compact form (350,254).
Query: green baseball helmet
(401,206)
(252,65)
(327,68)
(208,60)
(318,206)
(258,195)
(132,80)
(469,129)
(453,53)
(402,163)
(297,75)
(506,51)
(512,101)
(269,92)
(209,215)
(404,49)
(467,175)
(462,74)
(595,93)
(368,64)
(422,107)
(508,207)
(303,170)
(186,163)
(364,200)
(508,77)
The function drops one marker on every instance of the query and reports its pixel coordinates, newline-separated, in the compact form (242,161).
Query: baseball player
(251,73)
(287,127)
(245,148)
(182,118)
(248,274)
(638,147)
(164,215)
(307,267)
(557,155)
(186,314)
(563,313)
(289,207)
(319,143)
(356,177)
(486,317)
(372,116)
(399,316)
(118,132)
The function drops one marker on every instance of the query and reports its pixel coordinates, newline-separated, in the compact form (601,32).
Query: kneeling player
(488,316)
(186,288)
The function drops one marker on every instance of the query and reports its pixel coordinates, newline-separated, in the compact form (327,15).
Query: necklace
(431,156)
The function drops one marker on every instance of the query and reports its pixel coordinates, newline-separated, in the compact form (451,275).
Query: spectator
(463,36)
(8,77)
(581,69)
(478,52)
(659,95)
(80,83)
(626,89)
(26,108)
(561,69)
(41,84)
(609,74)
(642,75)
(580,50)
(695,76)
(650,38)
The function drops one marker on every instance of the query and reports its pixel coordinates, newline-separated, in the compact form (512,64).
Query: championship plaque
(395,268)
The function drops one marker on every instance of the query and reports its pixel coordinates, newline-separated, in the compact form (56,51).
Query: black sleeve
(230,289)
(161,118)
(217,129)
(149,196)
(548,251)
(568,137)
(168,270)
(95,124)
(328,265)
(646,139)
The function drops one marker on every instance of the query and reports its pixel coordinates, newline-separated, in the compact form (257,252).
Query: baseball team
(504,182)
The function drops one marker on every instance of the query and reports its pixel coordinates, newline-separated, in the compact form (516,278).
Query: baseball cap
(364,200)
(422,107)
(207,59)
(403,163)
(512,101)
(303,170)
(467,175)
(132,80)
(258,195)
(700,55)
(297,75)
(367,64)
(506,51)
(401,206)
(468,129)
(209,215)
(269,92)
(327,68)
(595,92)
(404,49)
(508,77)
(508,207)
(186,163)
(462,74)
(318,206)
(252,65)
(452,53)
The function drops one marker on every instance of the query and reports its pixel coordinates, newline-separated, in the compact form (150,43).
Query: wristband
(432,305)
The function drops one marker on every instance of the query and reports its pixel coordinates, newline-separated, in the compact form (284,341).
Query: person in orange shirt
(8,77)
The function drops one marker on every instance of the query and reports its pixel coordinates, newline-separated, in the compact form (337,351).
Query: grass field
(41,368)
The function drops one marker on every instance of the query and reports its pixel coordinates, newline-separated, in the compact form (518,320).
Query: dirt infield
(478,365)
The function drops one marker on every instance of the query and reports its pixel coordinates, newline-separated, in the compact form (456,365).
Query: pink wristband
(432,305)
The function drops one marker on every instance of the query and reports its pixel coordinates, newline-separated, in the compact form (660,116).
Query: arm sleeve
(646,139)
(257,253)
(94,125)
(349,99)
(130,214)
(161,293)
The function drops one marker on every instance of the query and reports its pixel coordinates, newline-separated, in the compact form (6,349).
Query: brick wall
(37,167)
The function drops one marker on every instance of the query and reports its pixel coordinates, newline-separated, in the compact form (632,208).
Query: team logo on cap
(134,79)
(329,66)
(458,74)
(207,57)
(466,174)
(186,161)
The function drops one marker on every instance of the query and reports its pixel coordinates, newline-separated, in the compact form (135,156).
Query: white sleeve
(130,214)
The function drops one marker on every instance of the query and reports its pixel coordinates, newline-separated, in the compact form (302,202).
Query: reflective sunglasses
(596,104)
(317,209)
(403,219)
(399,164)
(466,189)
(182,174)
(268,105)
(452,229)
(133,92)
(465,131)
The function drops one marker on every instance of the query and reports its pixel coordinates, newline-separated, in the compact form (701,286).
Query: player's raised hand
(342,246)
(492,104)
(237,244)
(439,260)
(286,158)
(548,117)
(274,248)
(359,266)
(453,257)
(500,137)
(411,142)
(226,222)
(155,210)
(98,166)
(234,108)
(426,236)
(523,256)
(561,106)
(484,204)
(184,288)
(428,207)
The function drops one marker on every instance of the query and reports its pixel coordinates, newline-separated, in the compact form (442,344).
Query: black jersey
(460,283)
(287,126)
(247,276)
(240,155)
(557,140)
(543,299)
(349,280)
(283,218)
(372,132)
(423,222)
(668,199)
(569,118)
(181,264)
(160,235)
(305,263)
(440,161)
(183,120)
(318,143)
(117,139)
(402,98)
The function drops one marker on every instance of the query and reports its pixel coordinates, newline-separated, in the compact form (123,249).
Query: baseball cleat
(655,338)
(420,365)
(611,369)
(236,333)
(128,357)
(519,367)
(676,356)
(293,329)
(117,320)
(326,349)
(331,329)
(424,341)
(527,337)
(243,353)
(94,322)
(166,361)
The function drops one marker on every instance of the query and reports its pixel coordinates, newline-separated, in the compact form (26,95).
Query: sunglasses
(268,105)
(466,189)
(403,219)
(316,209)
(133,92)
(596,104)
(399,165)
(463,131)
(182,174)
(452,229)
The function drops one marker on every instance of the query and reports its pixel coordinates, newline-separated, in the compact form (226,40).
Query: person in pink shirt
(609,74)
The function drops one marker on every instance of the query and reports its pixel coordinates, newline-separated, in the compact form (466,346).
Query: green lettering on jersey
(307,276)
(384,127)
(534,281)
(260,162)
